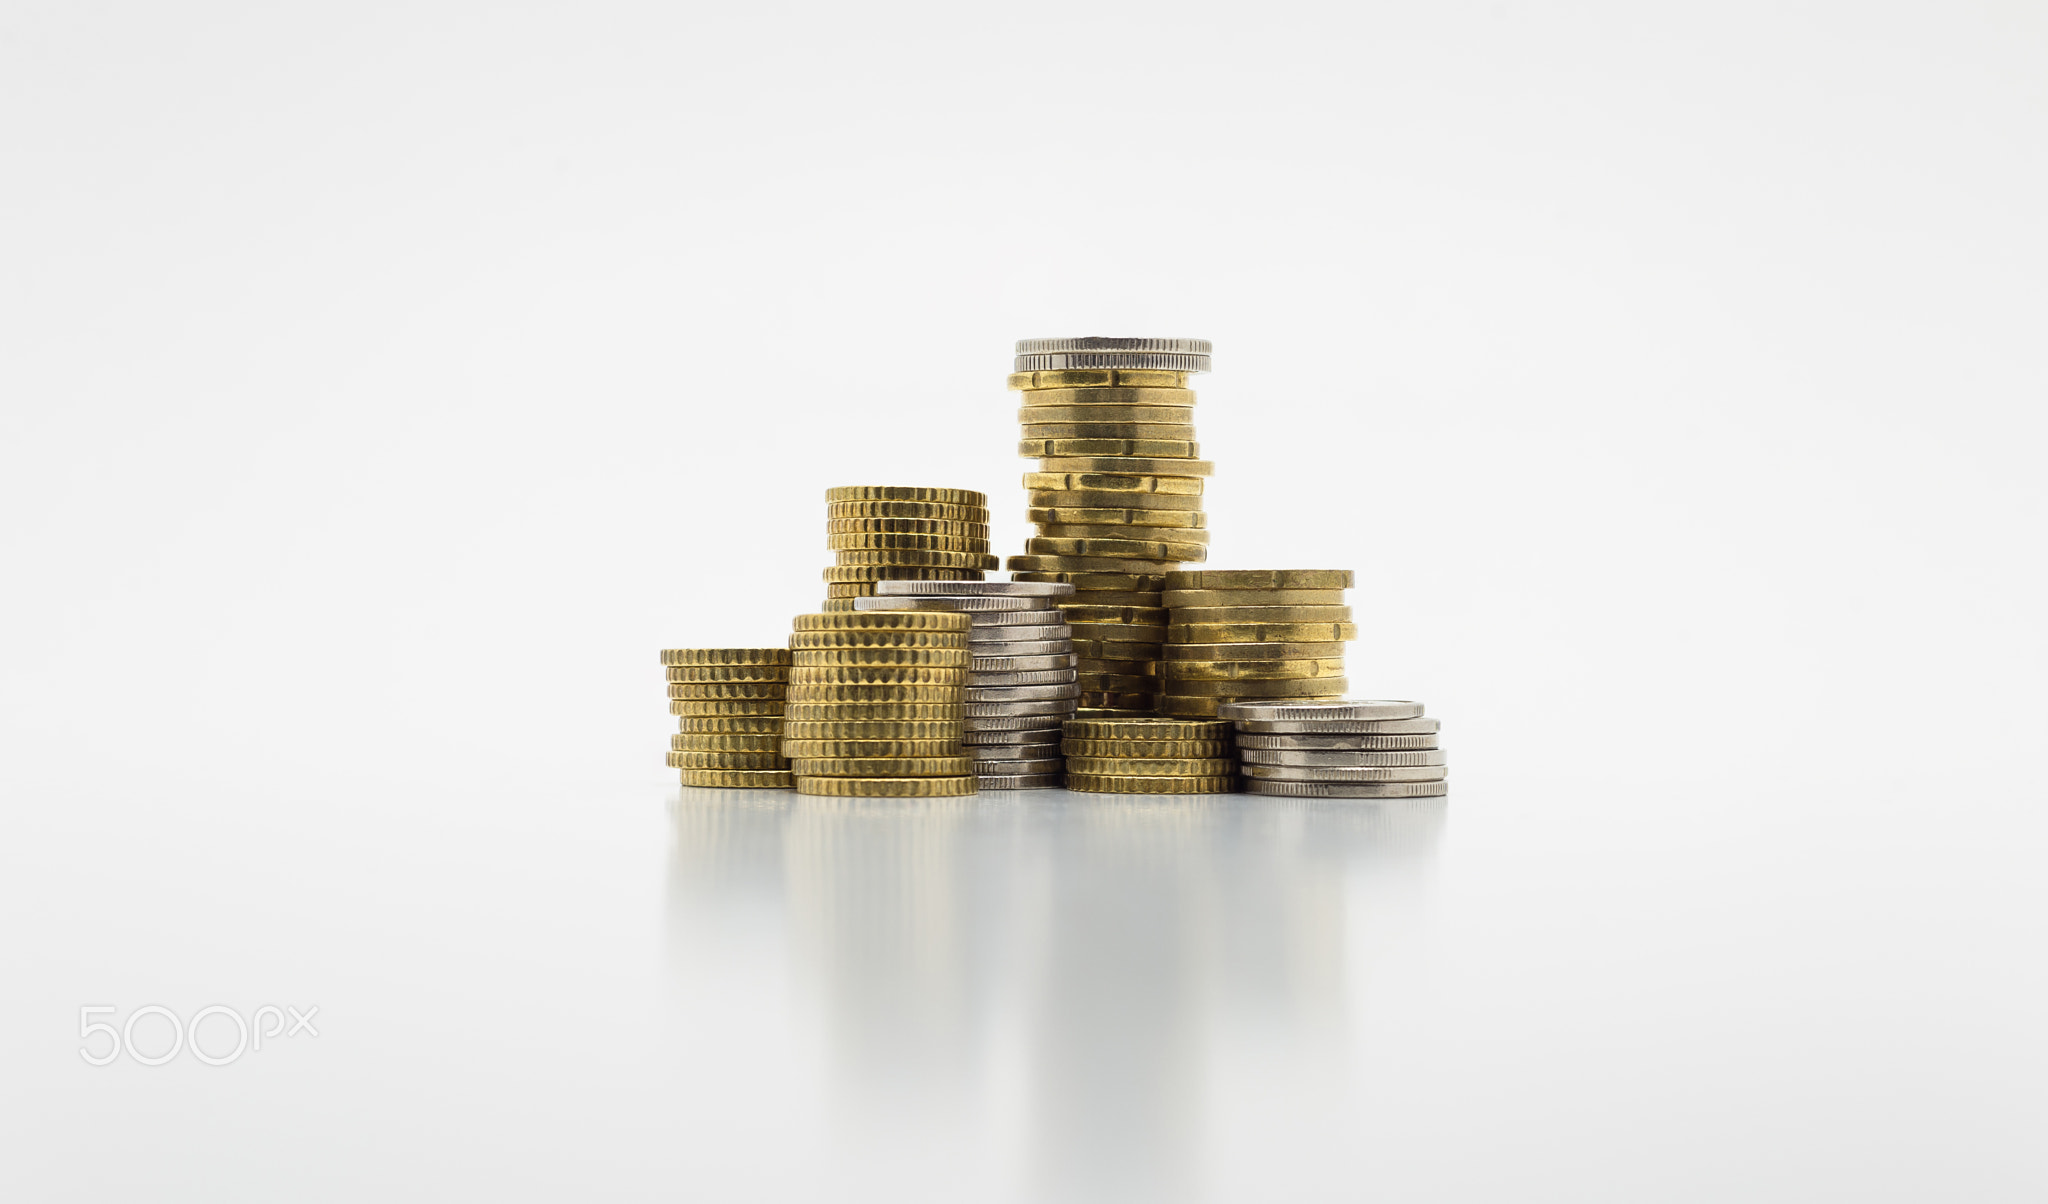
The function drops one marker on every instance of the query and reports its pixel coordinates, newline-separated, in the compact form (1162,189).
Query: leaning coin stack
(730,701)
(1149,756)
(1253,634)
(1021,682)
(1338,748)
(875,704)
(902,533)
(1117,499)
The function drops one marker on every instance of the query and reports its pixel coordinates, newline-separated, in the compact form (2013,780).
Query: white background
(381,385)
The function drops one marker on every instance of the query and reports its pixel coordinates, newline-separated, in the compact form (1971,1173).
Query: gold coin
(880,767)
(1040,431)
(1254,597)
(1189,705)
(728,672)
(1152,767)
(705,690)
(850,589)
(1107,516)
(1114,597)
(905,493)
(1177,416)
(711,742)
(1262,614)
(1227,671)
(898,558)
(1115,650)
(1108,396)
(1084,582)
(939,511)
(836,605)
(885,620)
(1095,784)
(1261,579)
(877,675)
(905,526)
(1101,482)
(877,712)
(1099,378)
(735,725)
(938,658)
(872,729)
(1132,633)
(1104,698)
(726,760)
(724,707)
(1157,466)
(814,641)
(1153,616)
(1084,564)
(763,779)
(1179,449)
(1095,498)
(1193,535)
(864,541)
(1128,668)
(1147,748)
(1113,713)
(851,693)
(725,656)
(1258,687)
(1210,653)
(1145,729)
(887,787)
(1118,683)
(811,750)
(1135,549)
(1259,633)
(841,574)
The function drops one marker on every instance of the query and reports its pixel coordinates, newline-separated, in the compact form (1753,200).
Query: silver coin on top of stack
(1338,748)
(1021,681)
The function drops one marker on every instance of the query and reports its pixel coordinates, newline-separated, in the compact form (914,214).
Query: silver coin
(1338,757)
(1333,708)
(1348,789)
(979,636)
(962,589)
(1069,361)
(1048,732)
(973,606)
(1021,677)
(1020,693)
(1019,618)
(1099,343)
(1035,765)
(1359,773)
(1022,781)
(1338,727)
(1019,664)
(1017,710)
(1012,752)
(1303,741)
(1018,649)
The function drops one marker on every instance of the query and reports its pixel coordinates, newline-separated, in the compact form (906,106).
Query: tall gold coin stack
(730,702)
(876,704)
(1253,635)
(902,533)
(1117,499)
(1150,756)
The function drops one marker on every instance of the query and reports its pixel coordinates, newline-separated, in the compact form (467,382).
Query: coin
(1357,773)
(1099,378)
(1136,549)
(1111,396)
(694,707)
(728,672)
(1151,767)
(1253,597)
(725,760)
(992,638)
(1349,789)
(1022,677)
(849,589)
(1099,531)
(1330,758)
(1031,647)
(1114,597)
(725,656)
(929,511)
(1115,650)
(1230,671)
(1049,617)
(1084,582)
(1037,781)
(1017,768)
(1182,417)
(1011,750)
(840,573)
(893,620)
(1022,664)
(984,604)
(732,725)
(718,742)
(1143,703)
(1177,449)
(1146,729)
(1189,705)
(1008,710)
(1337,708)
(879,767)
(1180,749)
(1211,653)
(976,694)
(1148,616)
(1099,516)
(906,526)
(1070,361)
(933,559)
(867,541)
(1257,687)
(876,712)
(905,493)
(1261,614)
(1171,431)
(1110,482)
(1136,466)
(1087,712)
(1122,667)
(878,675)
(953,658)
(814,641)
(1120,784)
(1260,579)
(1118,683)
(1115,500)
(1106,343)
(1334,742)
(872,729)
(770,779)
(846,693)
(1139,633)
(1082,564)
(704,690)
(994,723)
(1006,589)
(898,787)
(943,746)
(1259,633)
(1340,727)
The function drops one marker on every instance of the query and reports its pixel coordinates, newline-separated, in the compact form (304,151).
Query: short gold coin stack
(876,704)
(1117,500)
(902,533)
(1253,635)
(1150,756)
(730,702)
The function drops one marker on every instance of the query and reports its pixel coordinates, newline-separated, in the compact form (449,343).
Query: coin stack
(1339,748)
(875,704)
(902,533)
(730,701)
(1150,756)
(1253,634)
(1021,682)
(1117,499)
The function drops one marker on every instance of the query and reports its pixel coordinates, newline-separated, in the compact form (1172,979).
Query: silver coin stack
(1022,683)
(1338,748)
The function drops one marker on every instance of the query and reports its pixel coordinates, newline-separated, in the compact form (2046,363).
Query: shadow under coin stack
(902,533)
(1021,682)
(1253,634)
(1117,499)
(1339,748)
(1150,756)
(875,705)
(730,701)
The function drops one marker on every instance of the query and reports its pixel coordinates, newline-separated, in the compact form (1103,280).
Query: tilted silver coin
(1070,361)
(1338,757)
(1022,677)
(1338,727)
(1006,649)
(1020,693)
(994,726)
(1037,765)
(979,637)
(974,606)
(1361,773)
(1348,789)
(1331,708)
(1019,618)
(961,589)
(1022,664)
(1304,741)
(1023,781)
(1017,710)
(1100,343)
